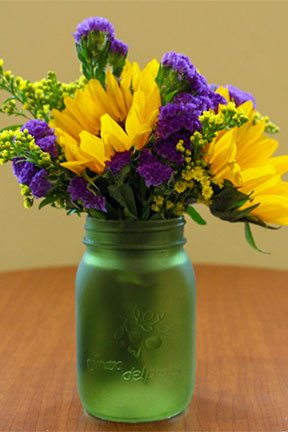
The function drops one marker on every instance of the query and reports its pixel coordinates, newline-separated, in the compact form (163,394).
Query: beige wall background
(244,43)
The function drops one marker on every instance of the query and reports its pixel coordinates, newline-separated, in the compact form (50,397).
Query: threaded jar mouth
(134,235)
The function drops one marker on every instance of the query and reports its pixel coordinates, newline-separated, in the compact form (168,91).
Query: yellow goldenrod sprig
(157,203)
(270,127)
(37,98)
(28,198)
(17,144)
(228,117)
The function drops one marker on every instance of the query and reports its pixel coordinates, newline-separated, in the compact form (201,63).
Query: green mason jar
(135,313)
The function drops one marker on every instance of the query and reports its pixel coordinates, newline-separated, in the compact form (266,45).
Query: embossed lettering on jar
(135,311)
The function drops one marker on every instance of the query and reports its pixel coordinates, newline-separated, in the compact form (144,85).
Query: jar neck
(134,235)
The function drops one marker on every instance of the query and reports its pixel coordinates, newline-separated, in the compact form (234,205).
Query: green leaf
(157,216)
(47,201)
(124,195)
(73,211)
(122,175)
(169,96)
(229,199)
(234,215)
(250,239)
(14,127)
(195,216)
(97,214)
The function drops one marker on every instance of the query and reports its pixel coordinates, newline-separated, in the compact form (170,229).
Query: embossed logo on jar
(142,331)
(146,374)
(134,374)
(109,365)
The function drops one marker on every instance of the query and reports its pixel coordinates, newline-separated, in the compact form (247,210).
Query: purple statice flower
(96,202)
(215,100)
(201,103)
(146,157)
(44,136)
(239,96)
(176,117)
(118,47)
(77,190)
(166,148)
(93,24)
(24,170)
(17,166)
(213,87)
(185,98)
(180,64)
(118,161)
(40,184)
(199,85)
(37,128)
(48,145)
(153,171)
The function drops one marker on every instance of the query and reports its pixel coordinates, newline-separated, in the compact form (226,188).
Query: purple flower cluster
(196,84)
(119,48)
(102,25)
(199,85)
(216,99)
(95,24)
(153,171)
(78,191)
(28,174)
(166,148)
(175,117)
(44,136)
(179,119)
(40,184)
(186,72)
(180,63)
(239,96)
(118,161)
(23,170)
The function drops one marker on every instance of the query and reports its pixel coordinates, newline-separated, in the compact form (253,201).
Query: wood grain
(242,354)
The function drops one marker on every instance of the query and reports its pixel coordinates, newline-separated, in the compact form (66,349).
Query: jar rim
(133,234)
(133,225)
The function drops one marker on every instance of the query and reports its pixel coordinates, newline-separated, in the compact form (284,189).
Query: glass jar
(135,314)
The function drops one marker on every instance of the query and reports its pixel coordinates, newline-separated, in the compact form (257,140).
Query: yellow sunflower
(99,122)
(244,156)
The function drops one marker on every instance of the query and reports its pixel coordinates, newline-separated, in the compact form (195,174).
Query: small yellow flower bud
(8,74)
(180,147)
(33,146)
(155,208)
(158,200)
(25,190)
(179,209)
(23,85)
(180,187)
(187,175)
(28,202)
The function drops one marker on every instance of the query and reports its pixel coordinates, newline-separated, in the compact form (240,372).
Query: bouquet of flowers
(123,142)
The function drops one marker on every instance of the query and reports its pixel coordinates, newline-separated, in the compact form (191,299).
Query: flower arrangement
(123,142)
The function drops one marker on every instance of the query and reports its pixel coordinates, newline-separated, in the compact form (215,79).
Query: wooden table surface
(242,354)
